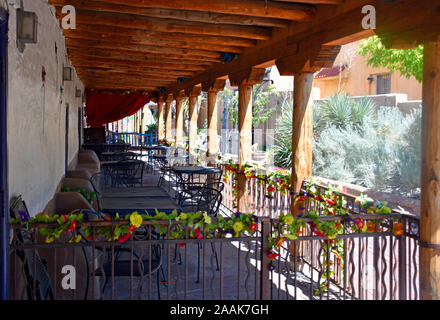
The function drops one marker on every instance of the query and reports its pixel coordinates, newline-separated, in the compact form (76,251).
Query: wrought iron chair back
(130,171)
(38,283)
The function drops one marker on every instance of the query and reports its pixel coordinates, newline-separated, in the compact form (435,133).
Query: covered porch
(275,235)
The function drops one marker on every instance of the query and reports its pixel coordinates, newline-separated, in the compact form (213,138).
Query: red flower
(181,245)
(72,227)
(64,218)
(198,234)
(273,255)
(270,189)
(253,227)
(132,228)
(319,233)
(301,199)
(330,202)
(124,238)
(319,198)
(107,218)
(359,223)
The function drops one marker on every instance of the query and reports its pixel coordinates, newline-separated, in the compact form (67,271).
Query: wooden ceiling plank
(324,32)
(145,71)
(128,40)
(141,48)
(166,25)
(78,52)
(265,9)
(184,15)
(154,35)
(335,2)
(110,62)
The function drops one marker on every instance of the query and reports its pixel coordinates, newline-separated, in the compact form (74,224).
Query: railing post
(265,285)
(402,263)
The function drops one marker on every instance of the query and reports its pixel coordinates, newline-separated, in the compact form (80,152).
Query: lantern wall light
(27,28)
(67,74)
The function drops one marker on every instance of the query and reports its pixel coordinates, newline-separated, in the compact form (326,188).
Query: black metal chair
(130,171)
(121,264)
(126,262)
(38,283)
(104,180)
(205,200)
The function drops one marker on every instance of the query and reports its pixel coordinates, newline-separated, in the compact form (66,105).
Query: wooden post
(168,119)
(245,82)
(143,120)
(430,184)
(212,124)
(160,117)
(193,116)
(302,133)
(213,89)
(179,120)
(244,143)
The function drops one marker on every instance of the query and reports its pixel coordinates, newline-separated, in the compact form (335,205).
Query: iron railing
(133,138)
(377,265)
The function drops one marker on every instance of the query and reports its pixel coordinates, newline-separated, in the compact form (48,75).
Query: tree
(409,62)
(261,110)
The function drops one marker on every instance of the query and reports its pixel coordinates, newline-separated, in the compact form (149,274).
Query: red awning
(106,107)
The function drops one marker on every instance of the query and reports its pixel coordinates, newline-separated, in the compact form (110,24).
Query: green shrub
(355,143)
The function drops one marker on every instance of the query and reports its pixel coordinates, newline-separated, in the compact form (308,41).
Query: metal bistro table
(145,200)
(193,170)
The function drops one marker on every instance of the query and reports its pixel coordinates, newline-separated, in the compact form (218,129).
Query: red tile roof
(330,72)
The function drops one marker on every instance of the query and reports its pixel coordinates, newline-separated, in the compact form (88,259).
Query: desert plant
(360,144)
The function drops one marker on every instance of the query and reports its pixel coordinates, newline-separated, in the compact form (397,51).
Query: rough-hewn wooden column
(245,82)
(143,120)
(430,176)
(168,119)
(302,131)
(193,96)
(160,118)
(213,89)
(302,66)
(179,119)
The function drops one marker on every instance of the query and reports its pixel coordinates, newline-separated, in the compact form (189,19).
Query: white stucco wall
(37,113)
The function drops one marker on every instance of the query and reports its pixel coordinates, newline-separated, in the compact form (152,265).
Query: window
(383,83)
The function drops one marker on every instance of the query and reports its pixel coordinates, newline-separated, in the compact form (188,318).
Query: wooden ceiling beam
(334,29)
(336,2)
(160,55)
(136,70)
(184,15)
(128,40)
(96,82)
(150,75)
(112,45)
(84,53)
(116,87)
(154,35)
(128,80)
(168,25)
(256,8)
(80,62)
